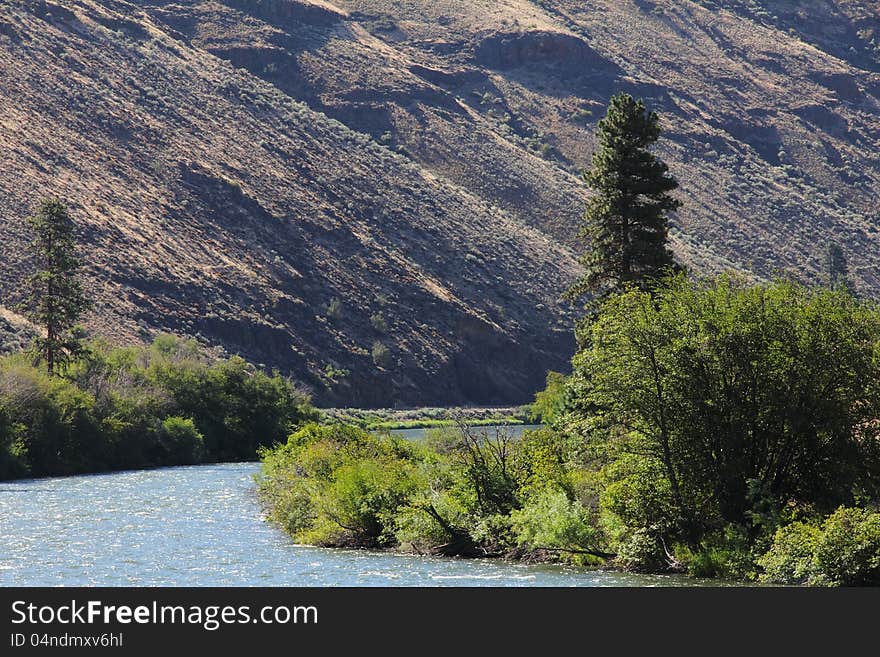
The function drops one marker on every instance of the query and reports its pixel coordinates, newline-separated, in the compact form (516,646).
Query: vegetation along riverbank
(710,428)
(717,426)
(170,403)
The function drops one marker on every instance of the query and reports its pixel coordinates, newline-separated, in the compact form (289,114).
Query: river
(202,526)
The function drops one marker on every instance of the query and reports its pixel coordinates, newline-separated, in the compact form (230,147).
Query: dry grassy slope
(221,199)
(16,332)
(771,108)
(213,204)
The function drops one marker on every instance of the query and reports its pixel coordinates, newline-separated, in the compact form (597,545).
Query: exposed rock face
(502,51)
(301,181)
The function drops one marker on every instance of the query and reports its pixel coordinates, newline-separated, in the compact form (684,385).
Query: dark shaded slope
(214,205)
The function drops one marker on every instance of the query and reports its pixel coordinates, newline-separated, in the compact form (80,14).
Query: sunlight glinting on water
(202,526)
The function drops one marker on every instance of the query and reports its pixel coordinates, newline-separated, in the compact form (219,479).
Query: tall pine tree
(626,217)
(56,301)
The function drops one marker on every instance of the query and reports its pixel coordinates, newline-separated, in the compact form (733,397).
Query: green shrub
(642,551)
(635,496)
(726,554)
(848,552)
(334,308)
(13,453)
(364,497)
(56,432)
(550,519)
(378,322)
(545,458)
(381,355)
(237,408)
(180,441)
(549,404)
(790,558)
(843,551)
(418,526)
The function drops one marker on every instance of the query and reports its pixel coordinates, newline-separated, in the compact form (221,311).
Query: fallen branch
(674,564)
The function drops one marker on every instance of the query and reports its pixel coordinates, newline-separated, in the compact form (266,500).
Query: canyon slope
(382,198)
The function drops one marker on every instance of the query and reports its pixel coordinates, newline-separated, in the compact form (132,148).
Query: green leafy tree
(57,300)
(550,403)
(626,217)
(728,401)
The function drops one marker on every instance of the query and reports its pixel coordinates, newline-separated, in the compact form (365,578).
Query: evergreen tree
(626,217)
(56,301)
(836,267)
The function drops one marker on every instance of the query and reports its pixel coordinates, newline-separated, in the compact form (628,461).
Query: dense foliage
(716,412)
(464,492)
(167,404)
(732,400)
(714,427)
(844,550)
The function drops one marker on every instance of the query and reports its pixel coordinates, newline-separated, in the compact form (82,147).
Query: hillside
(301,180)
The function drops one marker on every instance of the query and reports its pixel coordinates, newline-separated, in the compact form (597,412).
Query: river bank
(202,526)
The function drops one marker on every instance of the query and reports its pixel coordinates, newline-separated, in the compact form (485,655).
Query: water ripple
(202,526)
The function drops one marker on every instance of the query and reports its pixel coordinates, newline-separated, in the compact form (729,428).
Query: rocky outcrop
(503,51)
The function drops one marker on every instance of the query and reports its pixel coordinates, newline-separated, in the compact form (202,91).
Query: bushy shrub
(549,404)
(236,407)
(642,550)
(636,501)
(545,458)
(379,323)
(381,354)
(334,308)
(843,551)
(12,448)
(550,519)
(56,432)
(180,441)
(848,553)
(726,554)
(339,485)
(790,558)
(484,472)
(365,496)
(431,518)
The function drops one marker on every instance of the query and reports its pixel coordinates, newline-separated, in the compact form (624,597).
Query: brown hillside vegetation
(379,197)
